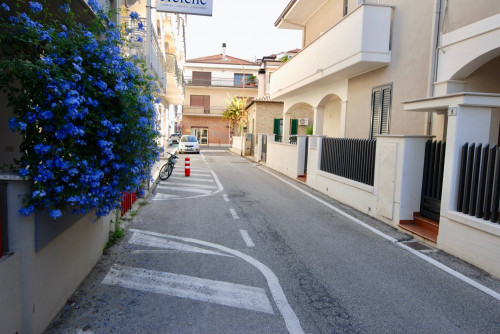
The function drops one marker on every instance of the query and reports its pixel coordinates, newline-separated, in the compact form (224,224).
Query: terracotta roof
(266,98)
(294,51)
(219,59)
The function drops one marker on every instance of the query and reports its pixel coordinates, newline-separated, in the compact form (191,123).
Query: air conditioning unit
(303,121)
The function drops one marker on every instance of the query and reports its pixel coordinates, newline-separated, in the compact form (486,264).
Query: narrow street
(238,248)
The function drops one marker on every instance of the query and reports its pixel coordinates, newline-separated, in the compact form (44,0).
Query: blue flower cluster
(87,116)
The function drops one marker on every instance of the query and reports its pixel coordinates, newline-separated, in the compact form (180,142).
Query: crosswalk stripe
(192,173)
(200,289)
(175,177)
(190,190)
(194,185)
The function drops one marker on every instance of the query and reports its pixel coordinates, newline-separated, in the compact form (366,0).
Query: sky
(246,26)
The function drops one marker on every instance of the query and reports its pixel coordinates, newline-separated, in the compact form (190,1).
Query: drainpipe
(433,58)
(149,35)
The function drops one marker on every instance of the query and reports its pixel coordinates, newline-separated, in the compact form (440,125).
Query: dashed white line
(246,238)
(234,214)
(226,198)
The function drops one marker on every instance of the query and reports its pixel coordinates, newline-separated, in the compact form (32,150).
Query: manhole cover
(417,246)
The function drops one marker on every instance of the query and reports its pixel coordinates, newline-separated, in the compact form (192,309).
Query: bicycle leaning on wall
(168,167)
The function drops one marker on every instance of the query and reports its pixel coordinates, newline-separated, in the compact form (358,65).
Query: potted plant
(252,80)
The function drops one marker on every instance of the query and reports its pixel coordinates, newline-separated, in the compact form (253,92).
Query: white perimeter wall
(34,286)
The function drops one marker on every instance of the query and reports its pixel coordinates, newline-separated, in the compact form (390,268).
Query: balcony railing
(202,111)
(359,43)
(219,82)
(174,69)
(161,64)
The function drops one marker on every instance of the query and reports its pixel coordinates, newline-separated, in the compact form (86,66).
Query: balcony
(218,82)
(175,80)
(212,111)
(359,43)
(164,67)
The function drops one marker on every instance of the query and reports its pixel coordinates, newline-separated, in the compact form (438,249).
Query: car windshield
(188,139)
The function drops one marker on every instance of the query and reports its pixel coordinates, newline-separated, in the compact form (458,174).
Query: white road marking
(152,241)
(226,198)
(291,321)
(181,171)
(222,293)
(214,179)
(424,257)
(234,214)
(191,190)
(194,185)
(189,178)
(246,238)
(163,197)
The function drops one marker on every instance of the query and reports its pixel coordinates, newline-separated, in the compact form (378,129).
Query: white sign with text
(194,7)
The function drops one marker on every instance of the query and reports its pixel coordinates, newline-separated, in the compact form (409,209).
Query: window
(202,78)
(201,101)
(381,110)
(278,129)
(238,79)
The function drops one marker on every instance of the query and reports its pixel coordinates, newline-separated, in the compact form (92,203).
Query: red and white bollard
(187,167)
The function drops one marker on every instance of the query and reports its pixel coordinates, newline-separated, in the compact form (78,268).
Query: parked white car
(174,138)
(189,144)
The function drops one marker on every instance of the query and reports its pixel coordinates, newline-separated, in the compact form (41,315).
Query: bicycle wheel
(170,169)
(164,171)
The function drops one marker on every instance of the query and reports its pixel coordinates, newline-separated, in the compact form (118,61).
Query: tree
(236,112)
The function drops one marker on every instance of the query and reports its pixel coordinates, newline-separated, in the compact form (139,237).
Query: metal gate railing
(264,148)
(432,182)
(352,159)
(252,144)
(479,184)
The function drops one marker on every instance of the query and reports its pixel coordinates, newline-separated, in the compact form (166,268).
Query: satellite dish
(129,3)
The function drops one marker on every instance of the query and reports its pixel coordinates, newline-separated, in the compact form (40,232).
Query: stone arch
(332,113)
(470,67)
(301,110)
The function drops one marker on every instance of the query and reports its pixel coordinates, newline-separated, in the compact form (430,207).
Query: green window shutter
(276,129)
(295,126)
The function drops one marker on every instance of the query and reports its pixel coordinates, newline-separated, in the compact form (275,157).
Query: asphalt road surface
(238,248)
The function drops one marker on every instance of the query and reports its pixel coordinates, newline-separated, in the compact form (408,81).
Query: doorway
(201,134)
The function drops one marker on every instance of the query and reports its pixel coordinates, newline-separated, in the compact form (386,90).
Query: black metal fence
(353,159)
(432,181)
(479,184)
(291,140)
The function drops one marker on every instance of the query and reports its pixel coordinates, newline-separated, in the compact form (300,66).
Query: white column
(286,128)
(343,117)
(319,114)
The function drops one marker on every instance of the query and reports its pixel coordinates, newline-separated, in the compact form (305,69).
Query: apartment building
(397,74)
(210,82)
(165,56)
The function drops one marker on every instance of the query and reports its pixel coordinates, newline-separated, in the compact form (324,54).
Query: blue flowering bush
(85,111)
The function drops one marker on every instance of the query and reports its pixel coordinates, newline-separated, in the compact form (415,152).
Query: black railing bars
(353,159)
(479,183)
